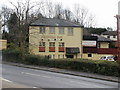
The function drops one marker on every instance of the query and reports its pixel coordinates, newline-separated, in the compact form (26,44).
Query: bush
(12,55)
(35,60)
(101,67)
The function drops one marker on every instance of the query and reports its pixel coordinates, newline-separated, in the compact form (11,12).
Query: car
(108,58)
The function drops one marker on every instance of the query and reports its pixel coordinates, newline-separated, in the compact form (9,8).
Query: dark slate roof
(110,33)
(102,39)
(88,37)
(54,22)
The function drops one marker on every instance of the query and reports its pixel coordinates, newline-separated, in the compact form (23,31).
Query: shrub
(93,66)
(12,55)
(35,60)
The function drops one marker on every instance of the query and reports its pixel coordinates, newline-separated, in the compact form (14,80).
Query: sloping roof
(111,33)
(88,37)
(102,39)
(54,22)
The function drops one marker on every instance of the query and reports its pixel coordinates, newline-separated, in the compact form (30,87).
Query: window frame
(42,44)
(51,30)
(61,44)
(70,31)
(114,36)
(53,44)
(42,30)
(89,55)
(61,30)
(108,36)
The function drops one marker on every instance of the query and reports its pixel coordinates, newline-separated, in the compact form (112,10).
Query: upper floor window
(61,44)
(42,30)
(52,30)
(42,44)
(108,36)
(52,44)
(114,36)
(98,45)
(61,30)
(70,31)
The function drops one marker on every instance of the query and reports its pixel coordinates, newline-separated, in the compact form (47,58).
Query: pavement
(8,84)
(65,71)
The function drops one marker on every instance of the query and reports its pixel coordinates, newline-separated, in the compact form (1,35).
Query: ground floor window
(89,55)
(60,56)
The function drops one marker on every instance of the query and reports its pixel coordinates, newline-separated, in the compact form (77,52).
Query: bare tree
(58,11)
(67,14)
(76,13)
(90,22)
(50,9)
(5,15)
(83,17)
(80,14)
(23,12)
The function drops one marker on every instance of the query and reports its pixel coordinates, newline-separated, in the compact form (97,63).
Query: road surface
(46,79)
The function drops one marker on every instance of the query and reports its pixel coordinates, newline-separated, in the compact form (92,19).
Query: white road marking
(35,75)
(46,76)
(34,87)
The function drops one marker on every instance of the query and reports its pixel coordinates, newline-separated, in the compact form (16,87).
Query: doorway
(69,56)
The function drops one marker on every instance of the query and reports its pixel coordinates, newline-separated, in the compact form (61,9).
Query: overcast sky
(103,10)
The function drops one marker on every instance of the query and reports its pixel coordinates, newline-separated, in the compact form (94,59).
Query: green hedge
(12,55)
(109,68)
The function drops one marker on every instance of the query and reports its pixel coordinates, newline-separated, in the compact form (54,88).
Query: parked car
(108,58)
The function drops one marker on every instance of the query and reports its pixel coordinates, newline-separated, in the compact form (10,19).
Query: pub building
(55,38)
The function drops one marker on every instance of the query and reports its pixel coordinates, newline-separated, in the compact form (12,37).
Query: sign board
(89,43)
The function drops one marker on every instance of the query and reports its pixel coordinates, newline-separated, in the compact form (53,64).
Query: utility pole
(118,36)
(118,32)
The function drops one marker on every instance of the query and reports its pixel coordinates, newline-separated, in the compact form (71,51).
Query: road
(45,79)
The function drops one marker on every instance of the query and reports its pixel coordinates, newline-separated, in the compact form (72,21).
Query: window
(52,44)
(108,36)
(98,45)
(42,47)
(89,55)
(42,30)
(61,47)
(42,44)
(53,56)
(61,44)
(58,56)
(52,47)
(63,56)
(52,30)
(61,30)
(70,31)
(114,36)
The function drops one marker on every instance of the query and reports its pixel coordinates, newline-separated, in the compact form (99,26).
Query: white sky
(103,10)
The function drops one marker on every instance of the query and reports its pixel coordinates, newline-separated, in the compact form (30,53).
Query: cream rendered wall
(95,56)
(70,41)
(3,44)
(104,45)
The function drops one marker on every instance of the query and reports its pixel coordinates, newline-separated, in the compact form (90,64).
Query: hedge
(109,68)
